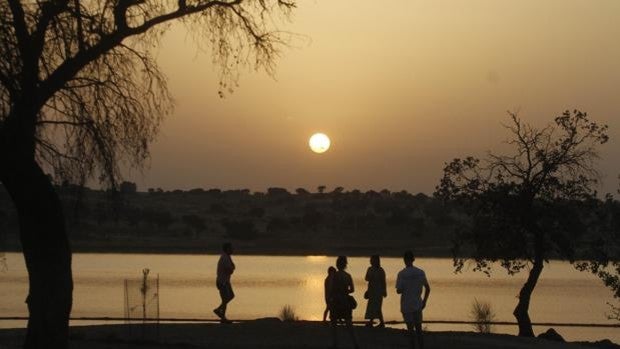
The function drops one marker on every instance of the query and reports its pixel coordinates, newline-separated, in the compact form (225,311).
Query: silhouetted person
(341,302)
(375,275)
(331,271)
(225,268)
(409,284)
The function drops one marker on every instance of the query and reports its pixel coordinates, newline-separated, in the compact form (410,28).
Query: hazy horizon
(400,89)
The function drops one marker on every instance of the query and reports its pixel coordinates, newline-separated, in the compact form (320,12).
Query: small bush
(483,315)
(288,313)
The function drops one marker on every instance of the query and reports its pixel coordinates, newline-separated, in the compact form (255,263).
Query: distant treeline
(127,219)
(244,215)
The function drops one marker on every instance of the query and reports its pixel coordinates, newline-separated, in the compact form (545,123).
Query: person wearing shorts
(409,284)
(225,269)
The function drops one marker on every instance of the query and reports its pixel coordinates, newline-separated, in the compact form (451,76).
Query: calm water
(264,284)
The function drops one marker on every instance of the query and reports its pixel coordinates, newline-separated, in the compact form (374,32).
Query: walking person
(341,302)
(375,276)
(225,269)
(331,271)
(409,284)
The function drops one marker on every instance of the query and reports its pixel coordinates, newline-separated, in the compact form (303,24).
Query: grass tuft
(482,313)
(287,313)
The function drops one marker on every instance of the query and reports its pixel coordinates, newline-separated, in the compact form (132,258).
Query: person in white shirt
(225,268)
(409,284)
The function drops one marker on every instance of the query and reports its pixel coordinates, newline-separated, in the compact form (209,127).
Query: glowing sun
(319,143)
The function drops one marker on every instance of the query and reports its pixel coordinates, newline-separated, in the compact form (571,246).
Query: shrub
(483,315)
(287,313)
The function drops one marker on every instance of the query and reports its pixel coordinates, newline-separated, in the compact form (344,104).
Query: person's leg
(227,295)
(410,332)
(370,312)
(381,322)
(419,334)
(218,310)
(223,308)
(352,332)
(325,314)
(334,331)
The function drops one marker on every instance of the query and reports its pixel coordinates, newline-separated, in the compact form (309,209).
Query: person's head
(227,248)
(331,270)
(408,258)
(375,261)
(341,262)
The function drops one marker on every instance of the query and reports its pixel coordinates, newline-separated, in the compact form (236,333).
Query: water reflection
(264,284)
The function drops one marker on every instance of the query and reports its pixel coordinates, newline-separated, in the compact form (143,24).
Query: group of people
(411,282)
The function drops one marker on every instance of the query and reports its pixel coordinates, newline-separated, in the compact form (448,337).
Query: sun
(319,143)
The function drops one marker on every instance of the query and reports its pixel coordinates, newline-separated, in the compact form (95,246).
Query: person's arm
(327,289)
(383,283)
(367,278)
(399,284)
(351,287)
(231,265)
(427,292)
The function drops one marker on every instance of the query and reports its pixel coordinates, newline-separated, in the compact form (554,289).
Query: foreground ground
(271,333)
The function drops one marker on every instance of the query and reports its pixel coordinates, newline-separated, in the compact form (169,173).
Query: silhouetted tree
(338,190)
(128,187)
(321,189)
(525,206)
(279,195)
(385,193)
(301,191)
(196,191)
(79,90)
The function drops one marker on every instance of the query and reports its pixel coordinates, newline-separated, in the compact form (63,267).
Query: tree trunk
(521,311)
(46,250)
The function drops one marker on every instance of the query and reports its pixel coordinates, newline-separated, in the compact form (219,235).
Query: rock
(551,335)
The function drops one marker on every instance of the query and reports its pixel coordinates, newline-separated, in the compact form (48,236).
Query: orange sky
(400,87)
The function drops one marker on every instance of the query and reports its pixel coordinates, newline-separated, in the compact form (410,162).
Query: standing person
(225,268)
(375,275)
(331,271)
(341,302)
(409,284)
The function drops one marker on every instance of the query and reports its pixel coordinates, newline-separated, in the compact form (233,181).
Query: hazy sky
(400,86)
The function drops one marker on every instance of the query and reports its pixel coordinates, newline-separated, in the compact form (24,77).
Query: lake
(264,284)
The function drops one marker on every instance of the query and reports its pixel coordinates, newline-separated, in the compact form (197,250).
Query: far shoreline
(240,251)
